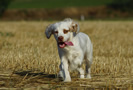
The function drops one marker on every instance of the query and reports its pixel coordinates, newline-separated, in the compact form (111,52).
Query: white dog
(73,47)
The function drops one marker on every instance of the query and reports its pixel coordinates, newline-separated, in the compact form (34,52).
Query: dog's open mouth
(63,44)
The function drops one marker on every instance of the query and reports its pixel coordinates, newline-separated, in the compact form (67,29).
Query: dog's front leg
(61,72)
(65,71)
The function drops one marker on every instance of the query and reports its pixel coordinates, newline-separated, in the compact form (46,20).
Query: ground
(28,60)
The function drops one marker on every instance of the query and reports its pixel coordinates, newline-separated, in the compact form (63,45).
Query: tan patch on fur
(73,28)
(66,31)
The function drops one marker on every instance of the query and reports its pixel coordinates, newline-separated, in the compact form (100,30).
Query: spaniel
(73,47)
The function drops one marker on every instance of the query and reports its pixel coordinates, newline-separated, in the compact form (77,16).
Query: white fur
(72,56)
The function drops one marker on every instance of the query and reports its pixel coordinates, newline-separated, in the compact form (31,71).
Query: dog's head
(63,32)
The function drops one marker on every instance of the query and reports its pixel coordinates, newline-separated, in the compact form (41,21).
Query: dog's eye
(65,31)
(56,32)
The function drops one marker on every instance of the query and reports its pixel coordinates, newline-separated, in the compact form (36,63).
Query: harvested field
(30,61)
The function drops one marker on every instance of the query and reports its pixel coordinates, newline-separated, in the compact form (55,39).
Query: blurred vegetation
(123,5)
(3,5)
(24,4)
(26,9)
(6,34)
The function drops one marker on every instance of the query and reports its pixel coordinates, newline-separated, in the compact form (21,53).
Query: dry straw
(23,46)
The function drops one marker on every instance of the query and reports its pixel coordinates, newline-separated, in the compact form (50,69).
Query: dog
(73,47)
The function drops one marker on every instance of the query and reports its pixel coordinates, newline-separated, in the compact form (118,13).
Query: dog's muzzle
(62,44)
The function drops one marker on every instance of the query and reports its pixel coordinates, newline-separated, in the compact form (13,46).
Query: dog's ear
(75,27)
(49,30)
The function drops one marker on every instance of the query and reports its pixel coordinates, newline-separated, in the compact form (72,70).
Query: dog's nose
(60,38)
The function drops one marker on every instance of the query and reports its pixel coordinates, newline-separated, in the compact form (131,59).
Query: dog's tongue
(62,45)
(69,43)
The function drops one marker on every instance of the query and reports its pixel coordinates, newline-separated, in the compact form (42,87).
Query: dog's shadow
(35,74)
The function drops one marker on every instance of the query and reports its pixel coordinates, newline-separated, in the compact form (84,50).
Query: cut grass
(34,60)
(21,4)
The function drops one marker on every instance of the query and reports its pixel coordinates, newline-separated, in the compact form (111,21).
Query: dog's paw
(67,80)
(88,76)
(82,76)
(60,74)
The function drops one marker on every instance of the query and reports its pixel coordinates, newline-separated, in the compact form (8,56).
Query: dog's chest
(73,59)
(71,53)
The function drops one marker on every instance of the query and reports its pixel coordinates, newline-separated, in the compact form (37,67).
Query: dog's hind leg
(89,61)
(88,69)
(81,72)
